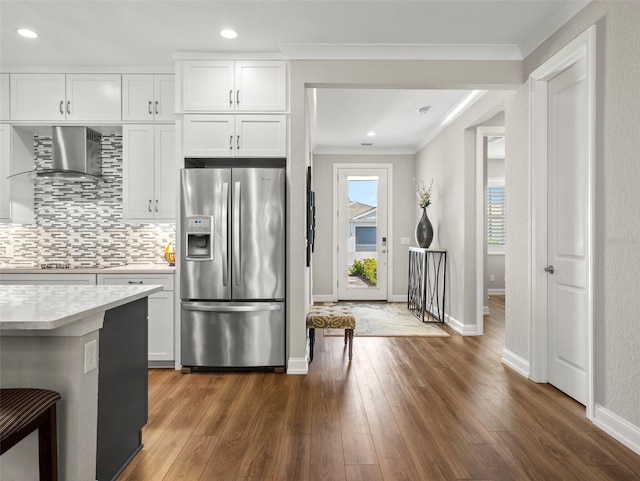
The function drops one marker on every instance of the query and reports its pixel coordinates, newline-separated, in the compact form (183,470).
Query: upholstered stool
(22,411)
(330,317)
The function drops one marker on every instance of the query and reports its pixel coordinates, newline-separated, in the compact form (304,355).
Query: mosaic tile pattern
(81,223)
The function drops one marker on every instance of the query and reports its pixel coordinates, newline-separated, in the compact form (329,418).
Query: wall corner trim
(515,362)
(297,366)
(617,427)
(324,298)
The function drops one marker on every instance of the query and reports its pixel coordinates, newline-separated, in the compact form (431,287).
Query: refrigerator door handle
(225,234)
(236,233)
(195,306)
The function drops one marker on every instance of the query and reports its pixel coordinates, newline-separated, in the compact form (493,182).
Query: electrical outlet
(492,278)
(90,356)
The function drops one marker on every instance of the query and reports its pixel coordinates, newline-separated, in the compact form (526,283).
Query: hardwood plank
(293,462)
(363,472)
(327,460)
(395,462)
(192,459)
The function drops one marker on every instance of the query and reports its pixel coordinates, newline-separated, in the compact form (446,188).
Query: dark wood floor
(438,409)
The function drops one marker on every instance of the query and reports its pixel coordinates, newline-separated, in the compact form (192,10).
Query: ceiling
(145,34)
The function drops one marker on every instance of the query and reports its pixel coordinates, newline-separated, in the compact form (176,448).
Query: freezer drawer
(233,334)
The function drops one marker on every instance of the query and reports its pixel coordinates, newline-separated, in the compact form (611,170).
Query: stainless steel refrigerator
(232,267)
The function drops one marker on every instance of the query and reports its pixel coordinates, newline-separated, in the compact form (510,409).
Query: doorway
(562,229)
(361,227)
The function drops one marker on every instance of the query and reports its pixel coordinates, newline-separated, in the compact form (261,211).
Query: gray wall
(402,211)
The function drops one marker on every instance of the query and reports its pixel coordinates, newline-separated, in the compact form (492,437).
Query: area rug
(386,319)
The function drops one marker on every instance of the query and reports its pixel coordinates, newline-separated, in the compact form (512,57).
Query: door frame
(481,238)
(334,252)
(583,47)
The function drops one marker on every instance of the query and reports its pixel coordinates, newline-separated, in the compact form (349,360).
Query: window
(365,239)
(496,215)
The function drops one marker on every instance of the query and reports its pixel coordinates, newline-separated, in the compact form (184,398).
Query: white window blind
(496,216)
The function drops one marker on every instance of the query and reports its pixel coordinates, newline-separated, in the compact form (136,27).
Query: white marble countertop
(46,307)
(124,269)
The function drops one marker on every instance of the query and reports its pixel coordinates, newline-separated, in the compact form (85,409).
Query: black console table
(427,281)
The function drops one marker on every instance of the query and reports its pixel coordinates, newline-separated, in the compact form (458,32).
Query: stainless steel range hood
(76,156)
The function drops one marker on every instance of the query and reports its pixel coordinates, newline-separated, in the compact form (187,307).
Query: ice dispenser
(199,238)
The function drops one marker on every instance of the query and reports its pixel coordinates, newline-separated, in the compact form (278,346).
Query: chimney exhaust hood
(76,156)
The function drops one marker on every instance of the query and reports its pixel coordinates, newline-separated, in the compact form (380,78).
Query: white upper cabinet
(235,136)
(5,171)
(225,85)
(148,98)
(75,97)
(150,172)
(4,96)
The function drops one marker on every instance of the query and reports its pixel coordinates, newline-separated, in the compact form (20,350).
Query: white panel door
(208,85)
(260,136)
(260,85)
(166,172)
(138,175)
(362,230)
(568,201)
(164,103)
(137,97)
(94,97)
(209,135)
(38,97)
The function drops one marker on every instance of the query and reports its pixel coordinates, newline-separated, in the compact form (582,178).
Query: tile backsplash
(81,223)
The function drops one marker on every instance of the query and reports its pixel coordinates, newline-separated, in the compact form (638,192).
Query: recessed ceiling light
(228,33)
(371,133)
(25,32)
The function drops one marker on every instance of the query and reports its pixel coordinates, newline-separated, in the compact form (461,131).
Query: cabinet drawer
(145,279)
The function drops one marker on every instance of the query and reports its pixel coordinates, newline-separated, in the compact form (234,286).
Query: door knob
(549,269)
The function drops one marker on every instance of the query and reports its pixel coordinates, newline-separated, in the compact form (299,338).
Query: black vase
(424,231)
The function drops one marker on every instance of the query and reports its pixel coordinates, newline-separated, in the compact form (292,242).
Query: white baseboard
(515,362)
(486,311)
(617,427)
(459,327)
(495,292)
(324,298)
(297,365)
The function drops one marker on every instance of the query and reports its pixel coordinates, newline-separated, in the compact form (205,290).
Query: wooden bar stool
(330,317)
(22,411)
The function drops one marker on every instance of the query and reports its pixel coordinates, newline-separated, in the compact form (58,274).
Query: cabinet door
(94,97)
(164,103)
(208,86)
(166,172)
(260,86)
(4,96)
(5,171)
(37,97)
(161,326)
(261,136)
(209,136)
(137,98)
(137,175)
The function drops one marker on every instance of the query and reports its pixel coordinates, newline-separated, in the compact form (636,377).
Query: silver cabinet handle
(68,106)
(157,206)
(150,206)
(238,142)
(62,107)
(231,142)
(550,269)
(230,98)
(251,308)
(150,111)
(157,108)
(237,97)
(135,282)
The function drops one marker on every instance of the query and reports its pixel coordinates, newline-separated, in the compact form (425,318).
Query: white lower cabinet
(161,325)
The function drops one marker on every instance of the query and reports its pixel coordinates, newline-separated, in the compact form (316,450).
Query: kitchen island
(89,343)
